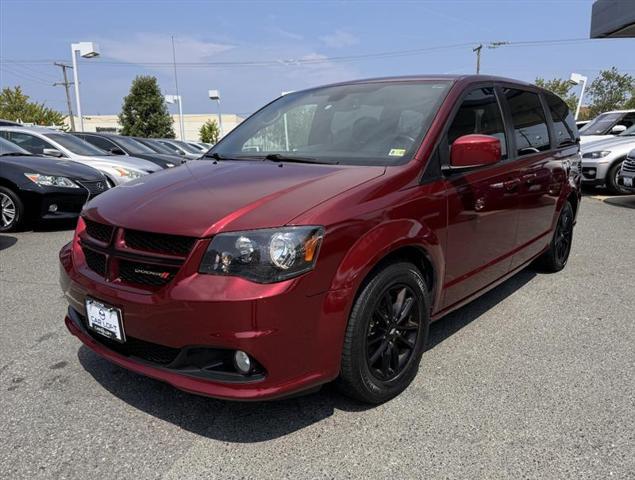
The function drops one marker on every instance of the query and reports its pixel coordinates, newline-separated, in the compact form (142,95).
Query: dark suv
(319,239)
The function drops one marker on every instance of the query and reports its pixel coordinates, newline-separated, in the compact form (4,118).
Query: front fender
(383,240)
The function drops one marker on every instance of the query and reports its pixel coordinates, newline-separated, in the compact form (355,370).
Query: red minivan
(319,239)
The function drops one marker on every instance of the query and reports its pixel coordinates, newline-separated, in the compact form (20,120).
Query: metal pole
(77,100)
(176,84)
(478,58)
(577,110)
(181,123)
(66,83)
(220,121)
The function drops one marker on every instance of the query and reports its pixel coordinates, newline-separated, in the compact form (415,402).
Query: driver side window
(29,142)
(479,113)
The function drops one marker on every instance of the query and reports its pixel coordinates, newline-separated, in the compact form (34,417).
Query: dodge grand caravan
(319,239)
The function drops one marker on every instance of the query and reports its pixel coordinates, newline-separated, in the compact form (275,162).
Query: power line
(334,59)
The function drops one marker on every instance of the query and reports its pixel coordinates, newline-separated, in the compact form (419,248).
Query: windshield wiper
(215,156)
(17,154)
(279,157)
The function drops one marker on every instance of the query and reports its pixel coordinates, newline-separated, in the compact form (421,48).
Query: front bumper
(594,172)
(295,338)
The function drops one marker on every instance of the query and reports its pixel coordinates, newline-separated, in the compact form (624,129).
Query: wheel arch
(395,240)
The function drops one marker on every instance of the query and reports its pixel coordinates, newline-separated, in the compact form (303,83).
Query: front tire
(11,211)
(611,180)
(556,257)
(386,335)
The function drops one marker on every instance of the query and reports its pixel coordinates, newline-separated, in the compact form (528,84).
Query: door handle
(511,185)
(529,177)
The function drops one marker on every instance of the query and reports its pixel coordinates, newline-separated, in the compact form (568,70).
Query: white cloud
(152,48)
(340,39)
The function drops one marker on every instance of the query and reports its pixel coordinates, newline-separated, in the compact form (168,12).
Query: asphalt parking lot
(533,380)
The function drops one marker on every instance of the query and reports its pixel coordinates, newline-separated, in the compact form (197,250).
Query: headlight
(598,154)
(264,256)
(51,180)
(128,173)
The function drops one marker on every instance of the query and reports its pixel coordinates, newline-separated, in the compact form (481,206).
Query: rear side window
(479,113)
(528,119)
(563,122)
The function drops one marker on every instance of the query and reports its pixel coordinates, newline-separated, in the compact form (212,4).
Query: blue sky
(134,37)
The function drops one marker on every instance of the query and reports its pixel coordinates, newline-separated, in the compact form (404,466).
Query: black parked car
(42,188)
(120,145)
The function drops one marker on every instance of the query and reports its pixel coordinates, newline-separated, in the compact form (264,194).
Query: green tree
(144,113)
(209,132)
(610,90)
(562,88)
(15,105)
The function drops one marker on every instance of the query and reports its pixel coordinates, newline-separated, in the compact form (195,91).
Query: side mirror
(618,129)
(52,152)
(475,151)
(116,151)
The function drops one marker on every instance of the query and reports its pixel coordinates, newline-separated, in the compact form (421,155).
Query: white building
(192,123)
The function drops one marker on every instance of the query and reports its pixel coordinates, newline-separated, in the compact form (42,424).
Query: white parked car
(602,160)
(607,125)
(44,141)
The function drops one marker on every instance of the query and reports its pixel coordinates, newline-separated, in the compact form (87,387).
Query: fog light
(53,207)
(242,362)
(592,171)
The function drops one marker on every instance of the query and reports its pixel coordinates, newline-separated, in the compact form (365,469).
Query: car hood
(175,159)
(201,198)
(584,139)
(613,144)
(50,166)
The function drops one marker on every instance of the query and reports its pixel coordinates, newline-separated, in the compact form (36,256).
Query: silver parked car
(53,143)
(181,148)
(602,160)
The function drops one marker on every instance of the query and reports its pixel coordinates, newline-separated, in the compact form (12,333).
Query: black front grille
(629,165)
(95,261)
(145,273)
(134,347)
(95,188)
(159,242)
(99,231)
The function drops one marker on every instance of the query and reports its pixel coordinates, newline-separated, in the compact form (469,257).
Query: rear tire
(12,211)
(386,335)
(611,180)
(556,257)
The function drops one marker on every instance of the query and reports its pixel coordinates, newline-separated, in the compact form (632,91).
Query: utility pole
(478,57)
(66,84)
(478,49)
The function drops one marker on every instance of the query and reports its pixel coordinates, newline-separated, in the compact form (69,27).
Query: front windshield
(10,148)
(76,145)
(629,132)
(375,123)
(133,146)
(173,148)
(601,124)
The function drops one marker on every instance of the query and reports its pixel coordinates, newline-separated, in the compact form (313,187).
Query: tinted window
(479,113)
(374,123)
(9,148)
(601,124)
(29,142)
(528,119)
(563,121)
(628,120)
(133,146)
(99,142)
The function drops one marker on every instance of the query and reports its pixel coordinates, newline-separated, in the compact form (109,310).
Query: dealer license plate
(105,320)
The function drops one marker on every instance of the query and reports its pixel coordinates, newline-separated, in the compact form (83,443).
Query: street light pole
(478,58)
(576,79)
(215,95)
(86,50)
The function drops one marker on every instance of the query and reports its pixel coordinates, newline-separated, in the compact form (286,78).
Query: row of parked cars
(47,174)
(608,151)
